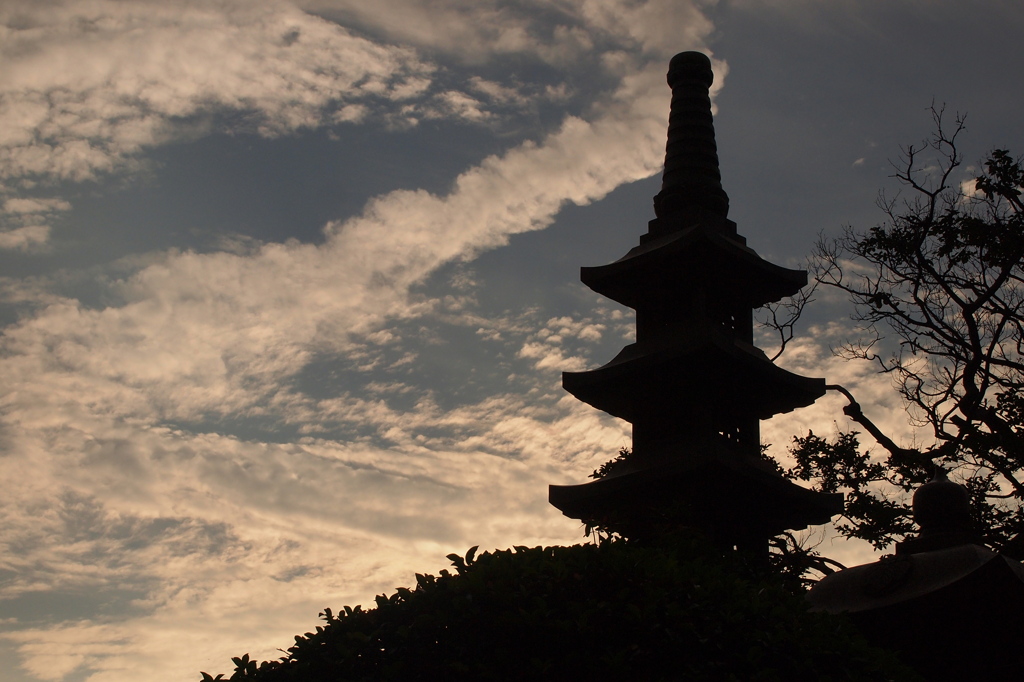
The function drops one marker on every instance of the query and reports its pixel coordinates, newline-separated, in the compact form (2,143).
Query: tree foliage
(612,611)
(938,294)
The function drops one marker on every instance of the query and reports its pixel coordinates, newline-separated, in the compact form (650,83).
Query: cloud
(22,222)
(207,532)
(809,355)
(24,238)
(546,348)
(121,421)
(554,32)
(35,206)
(88,85)
(475,31)
(217,332)
(969,188)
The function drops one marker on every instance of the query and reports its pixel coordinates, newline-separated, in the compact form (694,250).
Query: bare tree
(938,290)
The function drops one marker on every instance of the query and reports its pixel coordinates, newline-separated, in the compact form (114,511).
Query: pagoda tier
(693,385)
(700,256)
(705,370)
(729,498)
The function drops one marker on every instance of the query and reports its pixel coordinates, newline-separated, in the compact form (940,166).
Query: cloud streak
(118,419)
(89,85)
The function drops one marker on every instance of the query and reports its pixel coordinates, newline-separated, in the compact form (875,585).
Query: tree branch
(854,412)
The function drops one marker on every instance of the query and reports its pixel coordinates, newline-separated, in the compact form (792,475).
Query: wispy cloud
(89,85)
(120,420)
(25,238)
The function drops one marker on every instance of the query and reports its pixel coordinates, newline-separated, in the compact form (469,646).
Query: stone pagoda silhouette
(693,385)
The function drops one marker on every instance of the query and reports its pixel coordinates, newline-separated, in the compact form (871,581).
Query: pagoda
(693,385)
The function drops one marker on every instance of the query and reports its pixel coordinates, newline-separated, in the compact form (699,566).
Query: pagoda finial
(691,179)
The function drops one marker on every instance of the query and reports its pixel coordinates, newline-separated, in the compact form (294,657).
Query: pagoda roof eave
(719,489)
(733,372)
(678,261)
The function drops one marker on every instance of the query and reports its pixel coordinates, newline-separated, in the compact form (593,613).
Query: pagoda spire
(692,178)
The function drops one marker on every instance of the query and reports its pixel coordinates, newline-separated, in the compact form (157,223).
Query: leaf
(457,561)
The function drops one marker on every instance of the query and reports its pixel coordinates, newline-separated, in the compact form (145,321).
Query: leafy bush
(612,611)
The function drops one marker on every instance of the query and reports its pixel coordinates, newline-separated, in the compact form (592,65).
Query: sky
(287,287)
